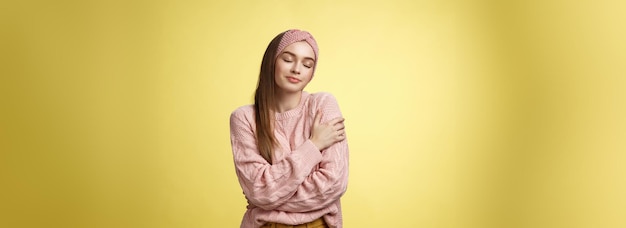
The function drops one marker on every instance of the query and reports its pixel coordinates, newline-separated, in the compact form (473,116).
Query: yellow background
(459,113)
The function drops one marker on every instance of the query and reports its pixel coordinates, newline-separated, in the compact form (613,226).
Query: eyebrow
(288,52)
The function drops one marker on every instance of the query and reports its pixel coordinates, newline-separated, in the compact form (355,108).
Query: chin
(291,89)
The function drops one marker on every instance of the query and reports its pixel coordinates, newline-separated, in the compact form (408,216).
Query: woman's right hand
(323,135)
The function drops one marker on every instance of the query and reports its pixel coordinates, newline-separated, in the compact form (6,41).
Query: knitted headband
(294,35)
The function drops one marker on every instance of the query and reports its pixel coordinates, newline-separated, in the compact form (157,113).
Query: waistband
(318,223)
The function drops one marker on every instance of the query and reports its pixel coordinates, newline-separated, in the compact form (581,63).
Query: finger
(341,137)
(340,126)
(335,121)
(341,132)
(317,118)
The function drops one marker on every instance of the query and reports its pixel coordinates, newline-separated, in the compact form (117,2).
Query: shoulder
(245,112)
(242,122)
(323,98)
(326,103)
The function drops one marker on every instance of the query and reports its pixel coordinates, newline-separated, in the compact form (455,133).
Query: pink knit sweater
(303,183)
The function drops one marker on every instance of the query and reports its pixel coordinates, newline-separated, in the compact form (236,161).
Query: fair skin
(294,70)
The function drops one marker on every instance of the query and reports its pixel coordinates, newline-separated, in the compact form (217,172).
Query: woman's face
(294,67)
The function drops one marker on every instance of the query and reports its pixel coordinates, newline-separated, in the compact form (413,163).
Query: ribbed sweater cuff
(311,156)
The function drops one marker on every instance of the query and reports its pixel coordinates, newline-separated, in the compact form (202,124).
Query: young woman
(289,148)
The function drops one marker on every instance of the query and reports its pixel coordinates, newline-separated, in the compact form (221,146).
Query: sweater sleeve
(267,185)
(328,183)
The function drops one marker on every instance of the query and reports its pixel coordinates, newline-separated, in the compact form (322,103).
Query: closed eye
(308,64)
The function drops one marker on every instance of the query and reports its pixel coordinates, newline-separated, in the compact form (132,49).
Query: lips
(293,79)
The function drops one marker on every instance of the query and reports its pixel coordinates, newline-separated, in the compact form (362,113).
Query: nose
(295,68)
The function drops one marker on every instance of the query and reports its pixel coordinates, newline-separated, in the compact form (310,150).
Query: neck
(287,101)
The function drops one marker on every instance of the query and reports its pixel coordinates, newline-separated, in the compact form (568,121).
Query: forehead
(300,49)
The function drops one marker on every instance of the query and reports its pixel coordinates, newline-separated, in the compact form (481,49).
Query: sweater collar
(295,111)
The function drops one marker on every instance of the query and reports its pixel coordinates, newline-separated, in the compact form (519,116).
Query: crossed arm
(305,180)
